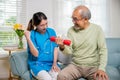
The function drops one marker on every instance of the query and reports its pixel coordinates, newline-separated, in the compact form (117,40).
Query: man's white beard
(76,28)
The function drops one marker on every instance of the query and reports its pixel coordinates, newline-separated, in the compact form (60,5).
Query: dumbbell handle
(66,42)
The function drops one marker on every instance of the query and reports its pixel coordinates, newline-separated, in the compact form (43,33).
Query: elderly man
(88,48)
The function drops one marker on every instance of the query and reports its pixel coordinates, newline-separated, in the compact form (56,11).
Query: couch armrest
(64,58)
(18,64)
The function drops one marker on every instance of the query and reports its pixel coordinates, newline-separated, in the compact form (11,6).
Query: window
(11,12)
(64,8)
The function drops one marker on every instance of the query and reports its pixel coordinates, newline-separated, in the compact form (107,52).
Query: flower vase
(20,45)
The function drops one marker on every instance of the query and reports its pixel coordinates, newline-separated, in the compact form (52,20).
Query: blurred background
(105,13)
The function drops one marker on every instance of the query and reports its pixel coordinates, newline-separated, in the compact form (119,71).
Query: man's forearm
(62,47)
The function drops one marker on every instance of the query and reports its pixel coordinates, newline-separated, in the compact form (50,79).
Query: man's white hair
(84,12)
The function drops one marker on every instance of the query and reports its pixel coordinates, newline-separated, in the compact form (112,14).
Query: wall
(114,12)
(42,6)
(47,6)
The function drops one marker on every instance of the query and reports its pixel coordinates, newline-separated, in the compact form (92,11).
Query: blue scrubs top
(45,47)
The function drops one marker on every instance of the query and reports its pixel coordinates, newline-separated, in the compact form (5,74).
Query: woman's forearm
(33,50)
(55,55)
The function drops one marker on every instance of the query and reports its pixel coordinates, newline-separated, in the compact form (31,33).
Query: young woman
(42,53)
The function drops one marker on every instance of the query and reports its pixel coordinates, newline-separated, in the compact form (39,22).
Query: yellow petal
(16,26)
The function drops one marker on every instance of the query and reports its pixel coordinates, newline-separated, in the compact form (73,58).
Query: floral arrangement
(19,29)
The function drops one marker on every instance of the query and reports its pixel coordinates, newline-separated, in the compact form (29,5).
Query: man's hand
(59,41)
(100,75)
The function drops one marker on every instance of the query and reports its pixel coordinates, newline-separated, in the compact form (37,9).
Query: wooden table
(11,48)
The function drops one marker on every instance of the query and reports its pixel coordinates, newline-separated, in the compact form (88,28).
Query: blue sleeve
(53,33)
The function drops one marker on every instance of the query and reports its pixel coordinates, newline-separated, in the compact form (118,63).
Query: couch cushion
(113,45)
(113,73)
(114,59)
(26,76)
(65,59)
(18,63)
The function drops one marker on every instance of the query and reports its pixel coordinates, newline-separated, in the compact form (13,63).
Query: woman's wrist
(54,63)
(28,39)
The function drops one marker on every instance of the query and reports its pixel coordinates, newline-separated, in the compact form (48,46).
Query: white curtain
(21,12)
(63,12)
(12,11)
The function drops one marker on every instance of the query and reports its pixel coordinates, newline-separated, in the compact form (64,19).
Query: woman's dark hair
(36,20)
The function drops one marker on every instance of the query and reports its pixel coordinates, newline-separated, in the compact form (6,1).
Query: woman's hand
(27,34)
(55,68)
